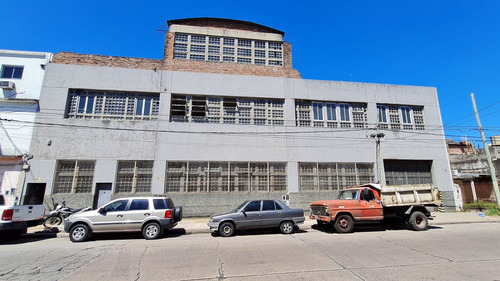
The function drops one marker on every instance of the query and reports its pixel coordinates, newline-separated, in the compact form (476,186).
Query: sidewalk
(199,224)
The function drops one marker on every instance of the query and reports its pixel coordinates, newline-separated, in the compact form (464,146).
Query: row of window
(12,72)
(92,104)
(76,176)
(226,49)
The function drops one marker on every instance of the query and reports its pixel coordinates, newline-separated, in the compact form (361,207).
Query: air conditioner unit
(7,85)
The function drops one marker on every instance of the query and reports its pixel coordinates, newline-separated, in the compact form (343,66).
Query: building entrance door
(102,195)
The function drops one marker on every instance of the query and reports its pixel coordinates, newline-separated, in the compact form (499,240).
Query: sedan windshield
(240,207)
(348,194)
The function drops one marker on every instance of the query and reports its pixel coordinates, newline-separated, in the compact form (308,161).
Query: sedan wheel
(226,229)
(286,227)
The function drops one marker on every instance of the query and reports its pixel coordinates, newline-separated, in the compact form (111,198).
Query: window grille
(332,115)
(333,176)
(401,117)
(199,47)
(230,110)
(134,176)
(74,176)
(225,177)
(93,104)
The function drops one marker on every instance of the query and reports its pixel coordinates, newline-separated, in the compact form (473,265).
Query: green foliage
(489,208)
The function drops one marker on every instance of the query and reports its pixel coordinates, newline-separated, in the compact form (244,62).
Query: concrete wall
(109,140)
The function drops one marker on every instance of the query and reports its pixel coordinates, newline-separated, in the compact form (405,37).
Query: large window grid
(74,176)
(92,104)
(134,176)
(401,117)
(197,177)
(224,49)
(399,172)
(328,114)
(227,110)
(333,176)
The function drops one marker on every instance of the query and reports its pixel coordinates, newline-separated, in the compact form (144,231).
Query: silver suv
(149,215)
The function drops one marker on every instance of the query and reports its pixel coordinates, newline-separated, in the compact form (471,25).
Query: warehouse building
(222,118)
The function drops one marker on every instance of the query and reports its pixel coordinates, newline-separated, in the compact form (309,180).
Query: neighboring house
(21,77)
(223,118)
(471,171)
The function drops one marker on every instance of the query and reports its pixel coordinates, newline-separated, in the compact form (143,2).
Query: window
(92,104)
(139,204)
(74,176)
(198,47)
(268,205)
(134,176)
(253,206)
(162,204)
(12,72)
(401,117)
(407,172)
(225,177)
(116,206)
(333,176)
(309,113)
(230,110)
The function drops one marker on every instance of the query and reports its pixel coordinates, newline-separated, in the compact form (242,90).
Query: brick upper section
(169,63)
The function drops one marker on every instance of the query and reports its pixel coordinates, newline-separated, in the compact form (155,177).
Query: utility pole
(486,151)
(377,138)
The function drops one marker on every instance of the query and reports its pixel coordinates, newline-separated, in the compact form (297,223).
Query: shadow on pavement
(28,238)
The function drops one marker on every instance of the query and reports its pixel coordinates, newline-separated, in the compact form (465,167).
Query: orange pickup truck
(372,202)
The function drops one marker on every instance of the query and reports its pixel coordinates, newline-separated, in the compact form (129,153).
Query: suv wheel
(151,231)
(178,213)
(79,233)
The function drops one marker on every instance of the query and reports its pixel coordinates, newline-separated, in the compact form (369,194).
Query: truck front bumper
(320,218)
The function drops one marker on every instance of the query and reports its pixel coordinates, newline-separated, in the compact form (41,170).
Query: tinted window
(139,204)
(12,72)
(160,204)
(116,206)
(268,205)
(253,206)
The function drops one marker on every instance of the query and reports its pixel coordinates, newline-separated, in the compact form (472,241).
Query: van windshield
(348,194)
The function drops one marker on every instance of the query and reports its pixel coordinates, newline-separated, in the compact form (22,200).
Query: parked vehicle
(371,202)
(60,212)
(149,215)
(257,214)
(16,219)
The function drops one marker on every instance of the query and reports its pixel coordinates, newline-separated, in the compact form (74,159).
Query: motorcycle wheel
(52,221)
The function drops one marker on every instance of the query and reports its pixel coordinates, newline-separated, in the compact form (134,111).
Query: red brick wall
(169,63)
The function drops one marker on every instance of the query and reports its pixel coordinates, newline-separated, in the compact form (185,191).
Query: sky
(452,45)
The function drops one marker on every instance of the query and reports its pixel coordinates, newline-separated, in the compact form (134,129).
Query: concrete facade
(18,108)
(163,141)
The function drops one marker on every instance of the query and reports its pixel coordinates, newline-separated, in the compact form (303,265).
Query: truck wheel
(151,231)
(418,221)
(79,233)
(286,227)
(343,224)
(226,229)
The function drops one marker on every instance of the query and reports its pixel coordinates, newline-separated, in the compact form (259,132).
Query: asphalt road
(448,252)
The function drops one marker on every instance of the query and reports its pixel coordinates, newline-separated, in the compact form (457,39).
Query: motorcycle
(59,213)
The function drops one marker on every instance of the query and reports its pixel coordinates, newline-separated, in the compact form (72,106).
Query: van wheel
(226,229)
(151,231)
(343,224)
(418,221)
(286,227)
(79,233)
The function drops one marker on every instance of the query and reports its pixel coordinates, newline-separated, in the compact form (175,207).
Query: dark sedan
(257,214)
